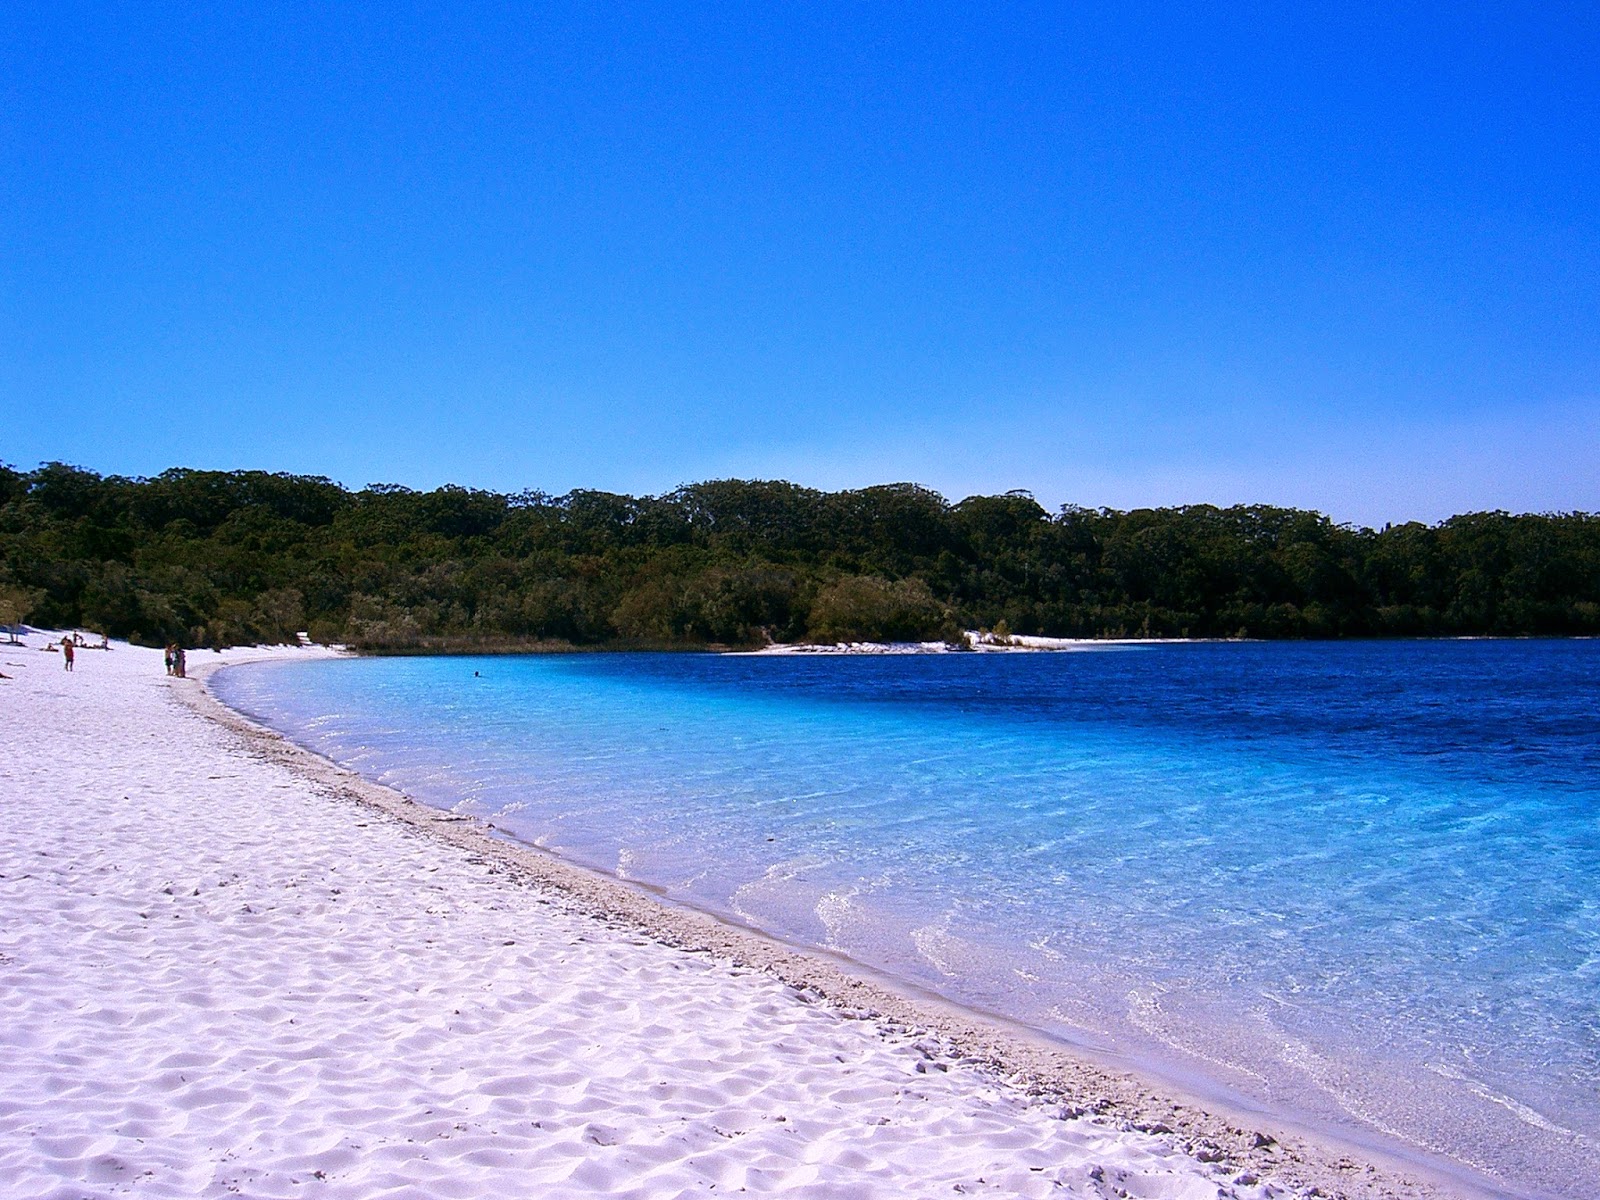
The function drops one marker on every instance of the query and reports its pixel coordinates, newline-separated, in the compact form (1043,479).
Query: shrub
(869,608)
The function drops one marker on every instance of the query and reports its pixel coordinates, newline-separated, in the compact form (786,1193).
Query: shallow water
(1354,883)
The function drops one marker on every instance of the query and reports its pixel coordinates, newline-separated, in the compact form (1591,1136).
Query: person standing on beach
(67,650)
(170,657)
(178,664)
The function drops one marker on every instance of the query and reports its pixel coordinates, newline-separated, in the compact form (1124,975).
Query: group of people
(177,666)
(70,643)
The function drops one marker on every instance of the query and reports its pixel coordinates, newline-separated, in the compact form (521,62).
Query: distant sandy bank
(977,641)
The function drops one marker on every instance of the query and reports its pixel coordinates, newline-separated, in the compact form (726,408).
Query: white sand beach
(977,640)
(229,968)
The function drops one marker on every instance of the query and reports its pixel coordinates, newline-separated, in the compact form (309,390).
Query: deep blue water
(1358,883)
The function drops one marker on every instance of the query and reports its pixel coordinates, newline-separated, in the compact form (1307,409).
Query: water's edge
(1083,1078)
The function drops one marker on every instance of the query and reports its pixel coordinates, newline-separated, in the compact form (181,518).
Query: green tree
(869,608)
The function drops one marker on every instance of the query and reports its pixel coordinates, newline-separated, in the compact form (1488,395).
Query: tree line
(213,558)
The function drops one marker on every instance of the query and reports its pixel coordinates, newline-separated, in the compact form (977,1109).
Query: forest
(212,558)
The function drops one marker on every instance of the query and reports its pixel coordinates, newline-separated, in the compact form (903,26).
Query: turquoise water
(1355,883)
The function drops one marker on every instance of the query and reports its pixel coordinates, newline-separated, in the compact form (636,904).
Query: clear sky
(1114,254)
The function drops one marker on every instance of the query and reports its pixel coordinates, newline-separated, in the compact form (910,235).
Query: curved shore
(668,1053)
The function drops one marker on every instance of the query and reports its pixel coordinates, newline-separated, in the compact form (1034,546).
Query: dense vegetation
(214,558)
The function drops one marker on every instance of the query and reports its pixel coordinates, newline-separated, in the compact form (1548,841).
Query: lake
(1354,883)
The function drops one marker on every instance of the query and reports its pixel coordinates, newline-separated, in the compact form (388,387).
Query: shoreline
(1011,644)
(977,642)
(1049,1070)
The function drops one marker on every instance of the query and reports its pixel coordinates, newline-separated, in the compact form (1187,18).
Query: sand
(230,968)
(976,640)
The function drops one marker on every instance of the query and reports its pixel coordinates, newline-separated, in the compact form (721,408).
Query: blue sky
(1116,255)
